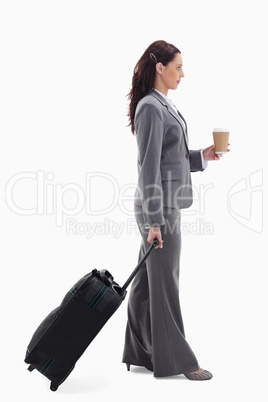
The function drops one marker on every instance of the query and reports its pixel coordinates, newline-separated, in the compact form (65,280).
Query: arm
(149,134)
(196,163)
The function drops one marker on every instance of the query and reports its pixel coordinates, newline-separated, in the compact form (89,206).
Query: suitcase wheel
(53,387)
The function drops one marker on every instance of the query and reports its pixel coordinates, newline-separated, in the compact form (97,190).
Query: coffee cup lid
(220,130)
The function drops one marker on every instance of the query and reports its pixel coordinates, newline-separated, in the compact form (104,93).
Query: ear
(159,68)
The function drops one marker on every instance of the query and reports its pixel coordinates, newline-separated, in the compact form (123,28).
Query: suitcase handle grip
(146,255)
(106,277)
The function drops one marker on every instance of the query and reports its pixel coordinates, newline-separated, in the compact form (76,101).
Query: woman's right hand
(155,232)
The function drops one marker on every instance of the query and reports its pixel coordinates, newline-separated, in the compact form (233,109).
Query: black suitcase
(66,332)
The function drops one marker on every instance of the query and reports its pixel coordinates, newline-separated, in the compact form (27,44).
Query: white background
(66,68)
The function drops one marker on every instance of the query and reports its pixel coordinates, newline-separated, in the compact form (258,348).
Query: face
(171,74)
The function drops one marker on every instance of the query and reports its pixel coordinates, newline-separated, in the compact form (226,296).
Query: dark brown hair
(144,73)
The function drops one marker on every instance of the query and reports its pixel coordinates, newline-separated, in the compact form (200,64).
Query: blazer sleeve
(196,161)
(149,129)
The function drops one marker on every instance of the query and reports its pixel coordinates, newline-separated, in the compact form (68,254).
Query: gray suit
(155,336)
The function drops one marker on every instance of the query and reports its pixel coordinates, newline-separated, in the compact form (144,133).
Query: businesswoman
(155,336)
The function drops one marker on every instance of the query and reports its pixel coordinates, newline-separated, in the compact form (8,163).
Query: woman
(155,335)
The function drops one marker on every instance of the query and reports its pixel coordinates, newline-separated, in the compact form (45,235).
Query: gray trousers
(155,335)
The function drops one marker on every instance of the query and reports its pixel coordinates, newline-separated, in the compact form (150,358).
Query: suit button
(187,155)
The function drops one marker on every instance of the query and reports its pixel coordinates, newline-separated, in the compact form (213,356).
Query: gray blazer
(164,159)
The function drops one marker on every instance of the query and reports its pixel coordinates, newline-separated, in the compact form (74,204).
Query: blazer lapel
(186,132)
(173,113)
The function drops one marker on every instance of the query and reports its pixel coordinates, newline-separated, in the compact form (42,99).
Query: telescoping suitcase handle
(146,255)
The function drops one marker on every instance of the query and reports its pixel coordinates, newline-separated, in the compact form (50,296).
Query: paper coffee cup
(221,139)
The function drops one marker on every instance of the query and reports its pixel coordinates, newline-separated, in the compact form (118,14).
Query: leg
(171,352)
(155,331)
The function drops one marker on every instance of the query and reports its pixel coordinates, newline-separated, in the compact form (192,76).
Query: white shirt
(204,163)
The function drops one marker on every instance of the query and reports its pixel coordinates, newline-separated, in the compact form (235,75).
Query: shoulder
(149,104)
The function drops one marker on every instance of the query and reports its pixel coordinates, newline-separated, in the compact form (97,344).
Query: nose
(182,73)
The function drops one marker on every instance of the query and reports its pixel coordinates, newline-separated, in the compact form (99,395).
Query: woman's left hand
(209,153)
